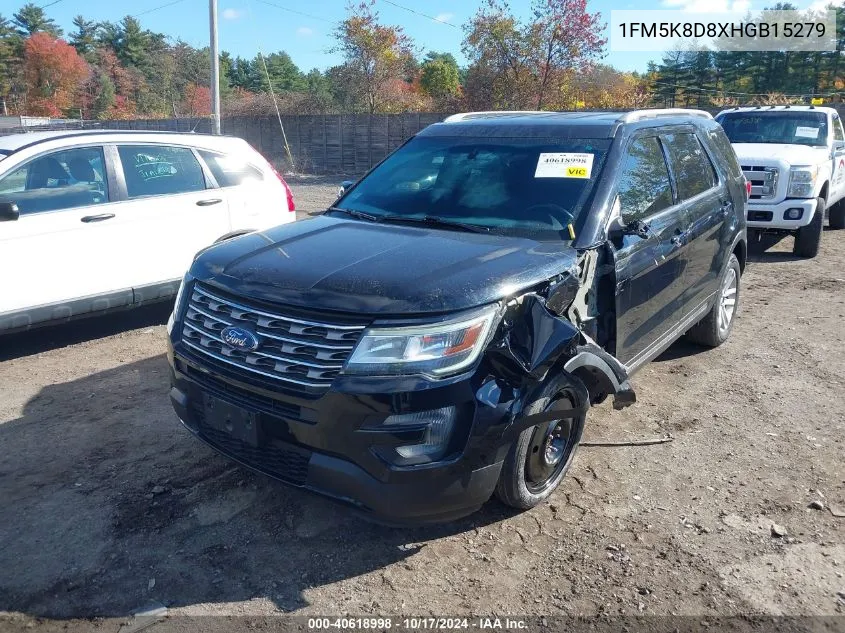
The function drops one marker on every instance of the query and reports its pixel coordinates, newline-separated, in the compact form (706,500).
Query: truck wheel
(837,215)
(715,328)
(808,238)
(542,454)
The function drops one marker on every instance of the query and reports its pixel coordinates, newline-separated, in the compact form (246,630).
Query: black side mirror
(619,227)
(346,184)
(9,212)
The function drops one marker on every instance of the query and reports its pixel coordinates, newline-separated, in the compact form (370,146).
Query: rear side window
(719,141)
(692,167)
(61,180)
(231,171)
(644,187)
(838,134)
(156,170)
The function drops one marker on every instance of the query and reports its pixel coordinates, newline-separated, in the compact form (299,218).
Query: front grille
(295,348)
(274,458)
(764,181)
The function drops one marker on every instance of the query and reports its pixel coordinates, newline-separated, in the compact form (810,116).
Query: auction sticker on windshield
(807,132)
(564,165)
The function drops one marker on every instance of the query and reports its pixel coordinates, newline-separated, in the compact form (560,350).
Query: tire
(713,330)
(837,215)
(516,487)
(808,238)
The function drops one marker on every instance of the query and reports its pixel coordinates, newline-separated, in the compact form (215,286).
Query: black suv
(439,333)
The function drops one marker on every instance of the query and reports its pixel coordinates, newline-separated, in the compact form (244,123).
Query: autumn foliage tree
(530,64)
(374,55)
(54,73)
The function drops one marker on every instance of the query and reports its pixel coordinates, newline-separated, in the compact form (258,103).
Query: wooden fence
(320,144)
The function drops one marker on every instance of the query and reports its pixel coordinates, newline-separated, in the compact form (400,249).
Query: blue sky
(303,27)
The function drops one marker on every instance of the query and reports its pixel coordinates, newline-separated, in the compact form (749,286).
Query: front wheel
(808,238)
(541,456)
(715,328)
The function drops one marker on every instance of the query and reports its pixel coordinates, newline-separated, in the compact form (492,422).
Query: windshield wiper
(361,215)
(433,220)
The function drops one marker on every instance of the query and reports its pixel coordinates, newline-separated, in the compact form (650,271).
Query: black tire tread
(706,332)
(809,238)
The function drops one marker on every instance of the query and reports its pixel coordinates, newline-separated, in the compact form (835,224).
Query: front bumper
(772,216)
(326,444)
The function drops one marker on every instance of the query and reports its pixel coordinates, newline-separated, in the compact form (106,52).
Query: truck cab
(794,158)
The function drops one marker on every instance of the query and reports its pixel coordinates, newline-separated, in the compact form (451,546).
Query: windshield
(797,128)
(531,188)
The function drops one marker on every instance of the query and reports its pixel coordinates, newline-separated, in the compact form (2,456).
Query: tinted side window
(690,164)
(61,180)
(838,134)
(155,170)
(644,187)
(719,141)
(229,170)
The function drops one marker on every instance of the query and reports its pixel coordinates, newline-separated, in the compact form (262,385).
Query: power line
(396,4)
(307,15)
(49,4)
(163,6)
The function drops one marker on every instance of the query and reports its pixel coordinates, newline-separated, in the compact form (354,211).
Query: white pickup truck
(794,158)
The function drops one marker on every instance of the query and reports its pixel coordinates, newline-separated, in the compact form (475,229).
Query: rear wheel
(837,215)
(715,328)
(540,457)
(808,238)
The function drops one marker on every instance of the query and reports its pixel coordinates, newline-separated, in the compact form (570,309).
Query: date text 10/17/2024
(417,623)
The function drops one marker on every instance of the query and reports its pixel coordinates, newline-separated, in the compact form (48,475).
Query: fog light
(439,424)
(793,214)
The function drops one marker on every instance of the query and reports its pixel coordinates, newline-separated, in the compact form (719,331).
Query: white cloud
(444,17)
(304,31)
(232,14)
(709,6)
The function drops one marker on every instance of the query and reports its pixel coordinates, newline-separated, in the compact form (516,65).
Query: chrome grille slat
(764,181)
(296,350)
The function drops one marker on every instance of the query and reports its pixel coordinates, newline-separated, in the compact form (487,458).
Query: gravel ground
(108,505)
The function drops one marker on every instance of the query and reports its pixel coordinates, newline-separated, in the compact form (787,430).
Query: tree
(532,64)
(105,96)
(54,73)
(197,101)
(285,76)
(375,55)
(84,38)
(31,19)
(440,79)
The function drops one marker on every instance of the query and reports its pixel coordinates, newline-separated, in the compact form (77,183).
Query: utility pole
(215,67)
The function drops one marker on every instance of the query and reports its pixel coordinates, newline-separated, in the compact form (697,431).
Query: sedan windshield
(795,128)
(531,188)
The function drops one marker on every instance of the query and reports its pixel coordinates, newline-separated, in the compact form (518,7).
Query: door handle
(726,207)
(97,218)
(209,202)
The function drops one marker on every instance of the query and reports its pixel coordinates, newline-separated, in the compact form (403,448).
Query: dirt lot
(108,505)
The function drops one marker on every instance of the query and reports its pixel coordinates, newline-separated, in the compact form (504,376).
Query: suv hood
(357,266)
(789,153)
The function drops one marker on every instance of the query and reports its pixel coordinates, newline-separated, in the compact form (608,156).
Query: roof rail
(464,116)
(639,115)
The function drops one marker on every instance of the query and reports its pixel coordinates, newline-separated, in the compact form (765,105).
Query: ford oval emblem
(240,338)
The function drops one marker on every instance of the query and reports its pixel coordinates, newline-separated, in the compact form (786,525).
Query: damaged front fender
(533,342)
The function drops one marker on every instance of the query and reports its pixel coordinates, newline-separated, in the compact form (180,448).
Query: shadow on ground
(109,505)
(50,337)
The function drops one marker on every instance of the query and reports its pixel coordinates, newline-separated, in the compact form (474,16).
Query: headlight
(170,321)
(802,181)
(434,349)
